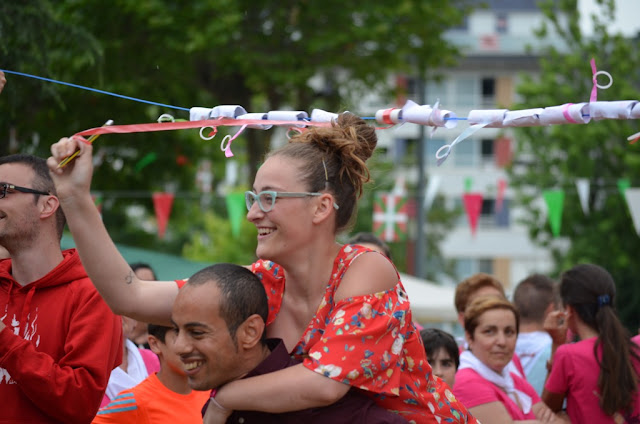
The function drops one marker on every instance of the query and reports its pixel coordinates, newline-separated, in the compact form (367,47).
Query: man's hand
(74,179)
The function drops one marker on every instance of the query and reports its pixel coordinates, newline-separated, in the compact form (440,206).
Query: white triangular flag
(400,186)
(633,202)
(582,184)
(431,191)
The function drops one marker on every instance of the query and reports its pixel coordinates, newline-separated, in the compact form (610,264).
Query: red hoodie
(55,369)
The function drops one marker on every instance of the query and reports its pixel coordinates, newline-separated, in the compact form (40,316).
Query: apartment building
(498,45)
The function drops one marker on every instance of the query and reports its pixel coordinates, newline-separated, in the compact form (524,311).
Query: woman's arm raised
(148,301)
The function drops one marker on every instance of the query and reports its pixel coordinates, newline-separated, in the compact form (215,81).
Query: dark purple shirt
(354,407)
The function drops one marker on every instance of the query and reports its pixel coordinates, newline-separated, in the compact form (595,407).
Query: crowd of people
(313,331)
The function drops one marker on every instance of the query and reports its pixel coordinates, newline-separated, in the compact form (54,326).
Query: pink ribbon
(566,114)
(594,90)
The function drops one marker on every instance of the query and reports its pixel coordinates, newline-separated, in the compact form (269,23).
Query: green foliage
(213,241)
(555,156)
(260,54)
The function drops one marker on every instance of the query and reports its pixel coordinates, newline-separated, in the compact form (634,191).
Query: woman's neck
(584,331)
(307,277)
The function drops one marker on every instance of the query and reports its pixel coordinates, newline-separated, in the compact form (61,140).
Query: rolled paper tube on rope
(426,115)
(255,116)
(389,116)
(288,115)
(522,118)
(199,113)
(569,113)
(319,115)
(227,111)
(493,118)
(620,109)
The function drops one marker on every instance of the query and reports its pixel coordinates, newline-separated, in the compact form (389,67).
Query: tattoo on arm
(129,278)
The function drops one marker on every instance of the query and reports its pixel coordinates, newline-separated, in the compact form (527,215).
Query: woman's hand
(74,179)
(556,325)
(216,414)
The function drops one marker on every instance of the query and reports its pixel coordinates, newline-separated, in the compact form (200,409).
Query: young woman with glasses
(341,309)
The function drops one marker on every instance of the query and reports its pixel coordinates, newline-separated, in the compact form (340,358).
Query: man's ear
(250,332)
(49,206)
(324,207)
(154,345)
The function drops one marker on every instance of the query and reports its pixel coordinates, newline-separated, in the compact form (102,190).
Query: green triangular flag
(555,203)
(468,182)
(623,185)
(146,160)
(236,209)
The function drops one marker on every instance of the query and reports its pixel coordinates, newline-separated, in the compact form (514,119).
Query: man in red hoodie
(59,340)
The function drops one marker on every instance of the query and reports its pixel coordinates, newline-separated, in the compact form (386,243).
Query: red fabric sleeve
(70,390)
(272,277)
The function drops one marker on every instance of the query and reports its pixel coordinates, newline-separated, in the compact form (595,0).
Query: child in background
(442,353)
(163,397)
(599,374)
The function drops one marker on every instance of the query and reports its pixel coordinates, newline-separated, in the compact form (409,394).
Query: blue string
(94,89)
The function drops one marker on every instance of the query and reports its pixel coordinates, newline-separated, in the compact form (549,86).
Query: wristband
(212,397)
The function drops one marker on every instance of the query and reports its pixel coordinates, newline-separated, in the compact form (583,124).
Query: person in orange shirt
(163,397)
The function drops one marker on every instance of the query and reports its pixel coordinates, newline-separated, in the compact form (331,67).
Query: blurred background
(175,195)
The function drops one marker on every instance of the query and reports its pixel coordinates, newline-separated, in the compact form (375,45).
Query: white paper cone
(582,185)
(633,202)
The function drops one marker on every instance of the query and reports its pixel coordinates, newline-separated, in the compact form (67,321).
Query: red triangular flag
(473,206)
(502,187)
(162,203)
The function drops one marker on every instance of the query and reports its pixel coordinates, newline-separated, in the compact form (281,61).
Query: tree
(555,156)
(263,55)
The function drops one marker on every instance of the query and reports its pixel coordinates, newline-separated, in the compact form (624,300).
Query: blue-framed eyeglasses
(267,199)
(5,188)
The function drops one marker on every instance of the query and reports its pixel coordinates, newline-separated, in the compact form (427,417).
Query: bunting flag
(633,202)
(431,192)
(473,207)
(146,160)
(555,203)
(390,216)
(582,185)
(162,203)
(400,186)
(468,183)
(236,210)
(623,185)
(502,188)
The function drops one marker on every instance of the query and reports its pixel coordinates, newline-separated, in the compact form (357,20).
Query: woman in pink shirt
(598,375)
(493,392)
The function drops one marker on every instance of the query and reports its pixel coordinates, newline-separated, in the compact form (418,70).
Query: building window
(502,23)
(432,147)
(486,150)
(466,90)
(466,267)
(465,154)
(488,91)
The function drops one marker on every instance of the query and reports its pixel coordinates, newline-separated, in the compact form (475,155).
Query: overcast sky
(627,16)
